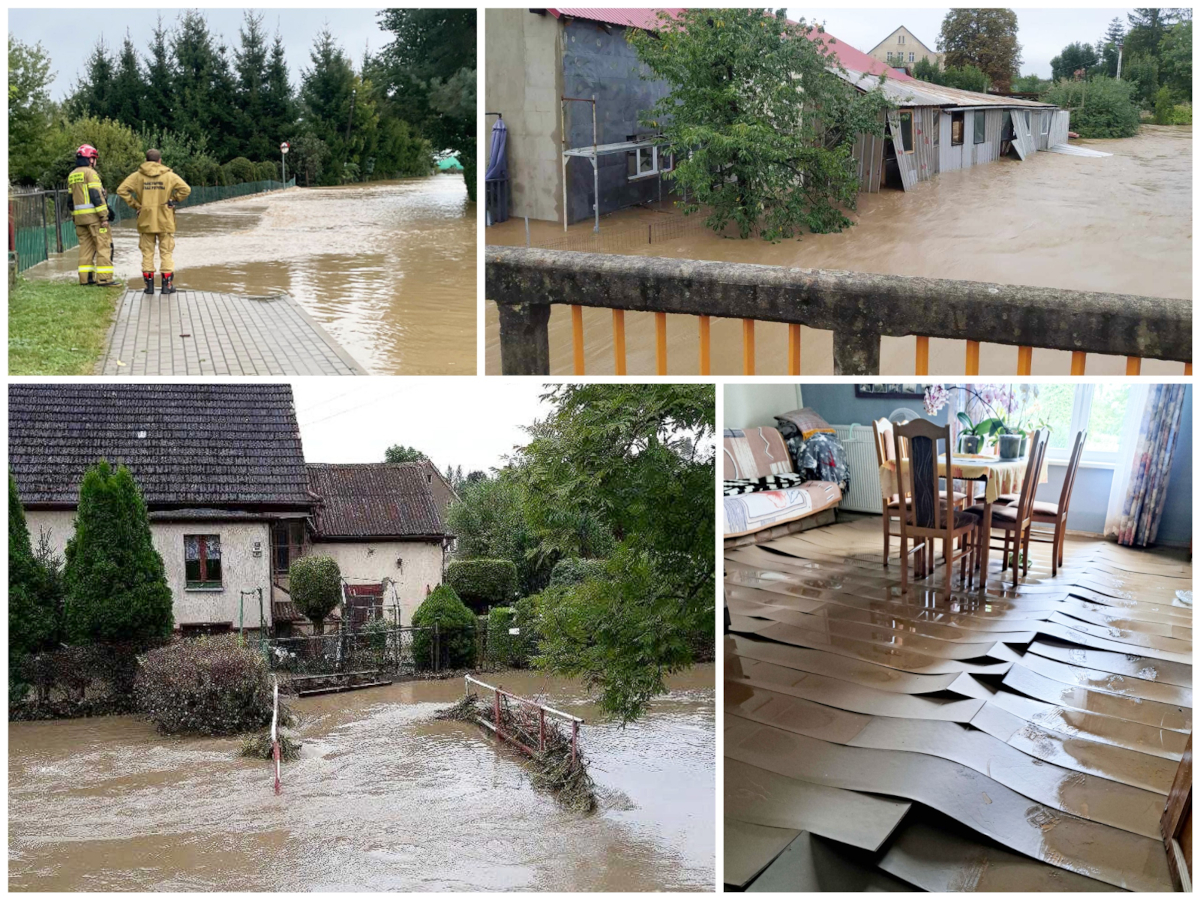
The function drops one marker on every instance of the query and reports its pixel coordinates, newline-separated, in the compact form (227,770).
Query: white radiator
(859,442)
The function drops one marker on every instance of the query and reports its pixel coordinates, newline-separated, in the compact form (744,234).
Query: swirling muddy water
(387,268)
(383,798)
(1120,224)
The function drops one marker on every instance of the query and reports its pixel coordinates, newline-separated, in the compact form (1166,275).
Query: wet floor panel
(383,798)
(387,268)
(1120,224)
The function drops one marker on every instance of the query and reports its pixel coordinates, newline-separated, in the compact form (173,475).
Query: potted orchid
(998,399)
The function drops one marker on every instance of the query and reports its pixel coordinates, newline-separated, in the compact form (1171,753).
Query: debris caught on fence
(258,746)
(556,763)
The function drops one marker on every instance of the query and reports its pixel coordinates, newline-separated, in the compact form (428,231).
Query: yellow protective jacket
(89,201)
(148,191)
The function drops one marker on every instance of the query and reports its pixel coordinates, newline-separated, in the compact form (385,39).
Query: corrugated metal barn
(940,129)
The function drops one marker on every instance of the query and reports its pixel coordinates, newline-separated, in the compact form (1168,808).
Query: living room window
(1098,408)
(287,545)
(202,561)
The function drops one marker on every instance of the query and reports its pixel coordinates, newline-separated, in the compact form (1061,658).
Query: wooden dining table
(998,476)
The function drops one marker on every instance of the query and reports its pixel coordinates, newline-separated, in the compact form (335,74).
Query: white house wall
(245,564)
(523,78)
(413,566)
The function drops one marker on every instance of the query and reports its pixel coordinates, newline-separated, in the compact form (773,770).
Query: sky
(355,29)
(1042,33)
(455,421)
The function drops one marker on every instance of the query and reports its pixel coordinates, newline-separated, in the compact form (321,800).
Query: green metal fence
(39,222)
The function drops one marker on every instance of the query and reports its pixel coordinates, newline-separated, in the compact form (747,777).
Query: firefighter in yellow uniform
(88,203)
(154,191)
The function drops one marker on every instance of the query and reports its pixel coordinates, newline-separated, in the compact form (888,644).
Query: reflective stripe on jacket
(89,202)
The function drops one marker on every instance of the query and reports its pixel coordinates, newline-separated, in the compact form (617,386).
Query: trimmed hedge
(315,583)
(209,685)
(75,682)
(483,583)
(574,570)
(504,649)
(457,627)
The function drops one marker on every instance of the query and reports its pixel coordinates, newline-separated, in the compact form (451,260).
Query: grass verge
(57,327)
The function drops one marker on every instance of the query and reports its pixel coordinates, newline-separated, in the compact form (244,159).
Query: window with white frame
(912,57)
(643,162)
(1068,409)
(889,55)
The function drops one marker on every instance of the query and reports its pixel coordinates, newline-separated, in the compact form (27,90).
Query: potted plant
(974,436)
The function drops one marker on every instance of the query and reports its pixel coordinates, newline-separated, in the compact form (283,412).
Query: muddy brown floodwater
(1121,224)
(383,798)
(388,268)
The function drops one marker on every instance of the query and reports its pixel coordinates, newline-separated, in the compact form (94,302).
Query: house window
(906,132)
(1068,409)
(911,57)
(642,162)
(202,560)
(900,39)
(1045,123)
(956,129)
(889,55)
(287,545)
(937,127)
(980,127)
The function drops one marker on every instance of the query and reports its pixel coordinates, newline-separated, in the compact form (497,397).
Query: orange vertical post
(660,350)
(747,346)
(972,357)
(1078,362)
(1024,360)
(1133,365)
(793,349)
(705,345)
(922,356)
(577,337)
(1187,368)
(619,341)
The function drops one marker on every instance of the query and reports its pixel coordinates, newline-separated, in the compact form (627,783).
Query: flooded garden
(383,797)
(1120,224)
(387,268)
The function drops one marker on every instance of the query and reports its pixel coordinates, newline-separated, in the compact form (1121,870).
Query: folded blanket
(736,486)
(807,421)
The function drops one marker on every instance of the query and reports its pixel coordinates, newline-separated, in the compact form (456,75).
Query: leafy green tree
(924,70)
(315,583)
(984,38)
(488,520)
(29,107)
(483,583)
(1164,109)
(121,151)
(640,458)
(398,453)
(1100,108)
(966,78)
(116,586)
(429,69)
(1175,62)
(1142,73)
(1074,58)
(308,158)
(1031,84)
(1147,28)
(761,132)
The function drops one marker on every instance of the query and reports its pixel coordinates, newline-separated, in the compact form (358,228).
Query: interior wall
(747,405)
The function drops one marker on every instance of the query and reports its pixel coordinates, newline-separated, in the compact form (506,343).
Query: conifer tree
(116,586)
(32,621)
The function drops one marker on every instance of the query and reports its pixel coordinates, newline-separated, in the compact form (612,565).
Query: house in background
(230,498)
(537,57)
(903,50)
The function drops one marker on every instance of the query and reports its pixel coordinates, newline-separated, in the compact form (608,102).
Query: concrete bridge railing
(859,308)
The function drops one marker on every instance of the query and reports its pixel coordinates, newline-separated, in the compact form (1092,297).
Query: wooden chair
(926,516)
(885,451)
(1016,521)
(1055,514)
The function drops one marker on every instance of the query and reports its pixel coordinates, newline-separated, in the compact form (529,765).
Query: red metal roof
(647,19)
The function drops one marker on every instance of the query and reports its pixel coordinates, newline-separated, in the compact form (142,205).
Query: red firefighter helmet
(88,151)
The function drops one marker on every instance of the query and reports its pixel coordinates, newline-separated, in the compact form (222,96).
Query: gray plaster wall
(523,81)
(601,62)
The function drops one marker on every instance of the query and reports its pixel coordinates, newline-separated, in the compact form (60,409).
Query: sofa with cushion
(764,496)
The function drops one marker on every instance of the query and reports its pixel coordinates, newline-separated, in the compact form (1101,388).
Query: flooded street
(1120,224)
(383,798)
(388,268)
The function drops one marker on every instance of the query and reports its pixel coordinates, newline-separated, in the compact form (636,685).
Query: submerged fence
(859,309)
(396,650)
(39,222)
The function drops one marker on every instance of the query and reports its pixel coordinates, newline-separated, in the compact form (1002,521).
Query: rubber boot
(149,279)
(168,283)
(91,279)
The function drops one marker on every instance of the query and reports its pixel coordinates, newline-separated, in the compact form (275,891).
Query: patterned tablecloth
(1001,476)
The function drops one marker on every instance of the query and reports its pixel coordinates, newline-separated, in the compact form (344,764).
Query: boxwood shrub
(456,625)
(209,685)
(504,649)
(573,570)
(483,583)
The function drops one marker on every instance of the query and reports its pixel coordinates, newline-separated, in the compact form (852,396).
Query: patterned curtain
(1142,507)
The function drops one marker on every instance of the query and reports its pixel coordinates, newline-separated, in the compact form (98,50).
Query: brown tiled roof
(374,500)
(187,445)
